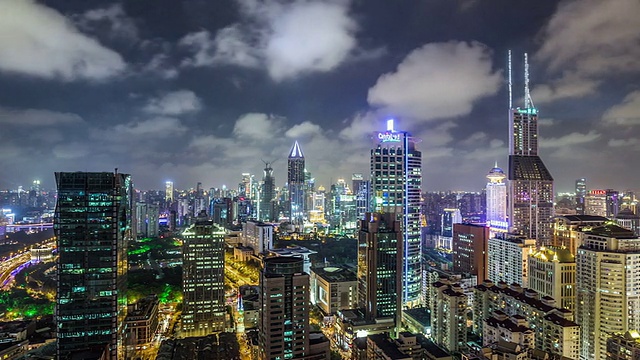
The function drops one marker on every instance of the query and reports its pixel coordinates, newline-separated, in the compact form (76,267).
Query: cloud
(574,138)
(160,64)
(159,127)
(439,80)
(305,129)
(38,41)
(623,142)
(112,20)
(625,113)
(286,39)
(37,117)
(174,103)
(256,126)
(593,39)
(73,150)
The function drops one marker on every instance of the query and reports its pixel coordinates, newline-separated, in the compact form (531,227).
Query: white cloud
(73,150)
(305,129)
(38,41)
(574,138)
(625,113)
(174,103)
(36,117)
(113,18)
(159,64)
(159,127)
(439,80)
(287,39)
(593,39)
(256,126)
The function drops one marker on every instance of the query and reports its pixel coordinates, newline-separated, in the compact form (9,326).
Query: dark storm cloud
(203,90)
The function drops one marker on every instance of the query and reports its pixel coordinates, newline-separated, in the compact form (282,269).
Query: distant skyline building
(267,208)
(497,199)
(596,203)
(296,184)
(530,182)
(168,192)
(93,225)
(396,183)
(203,304)
(581,194)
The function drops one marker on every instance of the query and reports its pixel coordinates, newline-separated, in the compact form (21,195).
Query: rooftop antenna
(510,83)
(528,103)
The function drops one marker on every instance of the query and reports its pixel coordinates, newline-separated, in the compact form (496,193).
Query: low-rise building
(142,321)
(624,346)
(333,289)
(499,326)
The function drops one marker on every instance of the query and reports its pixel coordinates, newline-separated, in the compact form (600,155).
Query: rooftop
(559,254)
(335,274)
(584,218)
(613,231)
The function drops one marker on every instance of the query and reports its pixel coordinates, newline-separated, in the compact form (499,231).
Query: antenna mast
(528,102)
(510,83)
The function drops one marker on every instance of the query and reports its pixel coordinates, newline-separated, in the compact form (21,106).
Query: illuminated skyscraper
(168,192)
(93,225)
(496,199)
(530,183)
(295,180)
(203,307)
(396,182)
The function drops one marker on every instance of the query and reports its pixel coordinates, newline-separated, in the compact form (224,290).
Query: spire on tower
(296,151)
(510,83)
(528,102)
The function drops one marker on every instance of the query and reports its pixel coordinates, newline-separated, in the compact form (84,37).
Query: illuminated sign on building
(389,137)
(598,192)
(499,225)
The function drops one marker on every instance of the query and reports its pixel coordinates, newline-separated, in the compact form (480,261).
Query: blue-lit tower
(296,184)
(396,183)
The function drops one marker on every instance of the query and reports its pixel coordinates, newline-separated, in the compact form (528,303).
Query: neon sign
(598,192)
(389,137)
(498,224)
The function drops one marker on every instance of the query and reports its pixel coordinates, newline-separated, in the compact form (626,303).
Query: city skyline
(200,92)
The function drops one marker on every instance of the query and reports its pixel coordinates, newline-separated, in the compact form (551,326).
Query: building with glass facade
(396,183)
(93,225)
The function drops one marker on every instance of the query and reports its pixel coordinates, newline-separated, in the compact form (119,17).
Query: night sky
(202,91)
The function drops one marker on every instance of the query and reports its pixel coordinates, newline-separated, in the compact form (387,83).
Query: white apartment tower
(508,259)
(608,287)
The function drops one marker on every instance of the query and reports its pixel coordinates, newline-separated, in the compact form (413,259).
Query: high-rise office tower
(296,183)
(581,193)
(267,194)
(496,199)
(168,192)
(607,282)
(284,300)
(380,249)
(360,188)
(203,306)
(396,182)
(470,252)
(448,219)
(530,183)
(93,225)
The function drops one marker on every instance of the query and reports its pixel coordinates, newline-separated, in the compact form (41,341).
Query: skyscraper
(581,193)
(380,249)
(470,252)
(295,180)
(284,300)
(530,183)
(396,182)
(496,198)
(93,225)
(267,194)
(203,306)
